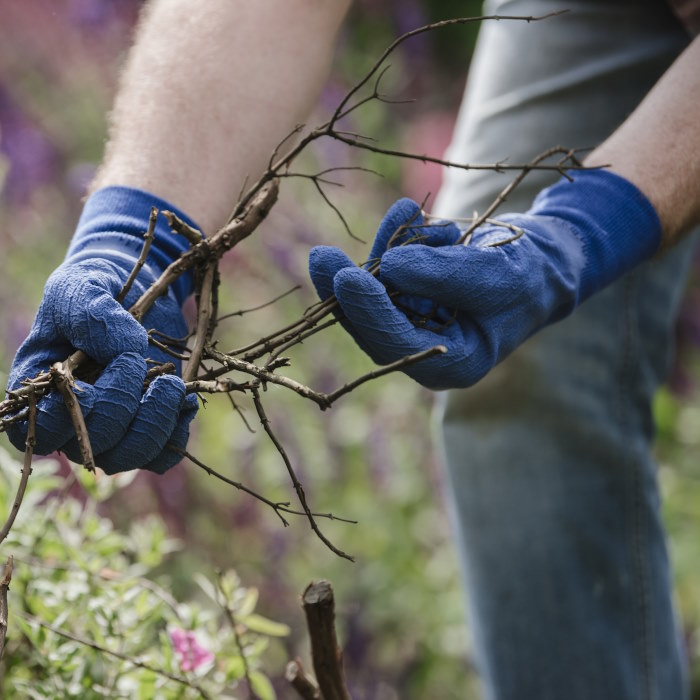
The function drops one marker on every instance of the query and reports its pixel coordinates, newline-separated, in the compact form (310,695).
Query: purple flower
(190,653)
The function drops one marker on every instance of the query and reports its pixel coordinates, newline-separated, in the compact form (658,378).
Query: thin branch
(319,607)
(269,342)
(157,371)
(386,369)
(264,421)
(375,95)
(22,415)
(26,468)
(167,349)
(117,655)
(42,380)
(326,199)
(63,380)
(177,225)
(279,507)
(226,607)
(534,164)
(214,386)
(302,682)
(275,151)
(148,239)
(4,588)
(211,248)
(214,313)
(265,375)
(425,158)
(321,175)
(241,312)
(421,30)
(299,337)
(169,339)
(204,314)
(241,414)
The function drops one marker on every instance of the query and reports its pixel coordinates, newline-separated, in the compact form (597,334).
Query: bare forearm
(209,89)
(658,145)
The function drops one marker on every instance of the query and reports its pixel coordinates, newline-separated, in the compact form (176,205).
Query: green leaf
(147,684)
(207,586)
(262,686)
(234,668)
(247,605)
(260,624)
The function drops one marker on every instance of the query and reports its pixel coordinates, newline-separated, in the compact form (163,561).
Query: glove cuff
(112,226)
(618,226)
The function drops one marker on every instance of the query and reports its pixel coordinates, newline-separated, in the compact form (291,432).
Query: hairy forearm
(208,90)
(657,147)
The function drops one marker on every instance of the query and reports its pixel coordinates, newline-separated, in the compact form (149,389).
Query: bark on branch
(319,607)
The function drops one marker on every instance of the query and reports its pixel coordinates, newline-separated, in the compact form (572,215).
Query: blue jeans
(551,481)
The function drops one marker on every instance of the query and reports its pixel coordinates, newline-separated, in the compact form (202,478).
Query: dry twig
(26,467)
(302,682)
(253,205)
(327,656)
(148,238)
(64,381)
(4,588)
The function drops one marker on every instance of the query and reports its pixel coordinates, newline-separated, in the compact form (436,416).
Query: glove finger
(465,278)
(54,426)
(85,312)
(386,334)
(151,428)
(117,392)
(169,458)
(324,262)
(398,214)
(441,233)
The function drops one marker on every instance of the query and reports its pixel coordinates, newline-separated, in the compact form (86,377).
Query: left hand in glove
(483,300)
(128,428)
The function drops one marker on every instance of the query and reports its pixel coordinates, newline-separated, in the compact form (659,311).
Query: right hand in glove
(482,301)
(128,429)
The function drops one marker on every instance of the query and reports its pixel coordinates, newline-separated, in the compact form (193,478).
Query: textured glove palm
(128,429)
(483,300)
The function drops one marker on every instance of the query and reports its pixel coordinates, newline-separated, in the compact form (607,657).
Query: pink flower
(190,653)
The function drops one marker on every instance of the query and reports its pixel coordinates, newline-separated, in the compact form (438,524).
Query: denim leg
(551,482)
(556,505)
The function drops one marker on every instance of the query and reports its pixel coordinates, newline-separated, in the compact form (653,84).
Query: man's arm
(657,147)
(208,90)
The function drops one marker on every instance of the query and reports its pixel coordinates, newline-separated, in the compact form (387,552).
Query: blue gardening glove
(481,301)
(128,428)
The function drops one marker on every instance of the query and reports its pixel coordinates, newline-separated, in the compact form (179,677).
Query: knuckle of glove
(79,303)
(151,428)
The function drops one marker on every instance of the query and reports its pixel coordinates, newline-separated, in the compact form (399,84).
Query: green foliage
(73,571)
(678,447)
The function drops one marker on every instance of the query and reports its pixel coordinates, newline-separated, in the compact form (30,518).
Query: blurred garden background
(370,457)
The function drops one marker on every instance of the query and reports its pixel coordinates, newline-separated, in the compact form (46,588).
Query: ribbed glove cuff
(112,226)
(618,226)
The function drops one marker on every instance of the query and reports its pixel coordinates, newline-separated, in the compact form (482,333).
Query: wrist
(112,225)
(617,225)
